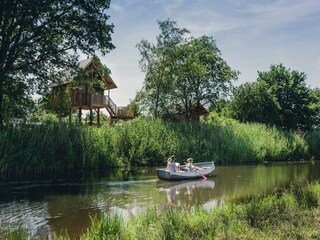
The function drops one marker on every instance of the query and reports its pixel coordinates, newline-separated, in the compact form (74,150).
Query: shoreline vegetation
(292,213)
(38,149)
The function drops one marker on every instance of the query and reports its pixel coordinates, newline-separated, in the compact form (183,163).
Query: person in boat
(190,167)
(171,165)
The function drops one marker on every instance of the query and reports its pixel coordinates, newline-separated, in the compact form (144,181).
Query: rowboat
(207,169)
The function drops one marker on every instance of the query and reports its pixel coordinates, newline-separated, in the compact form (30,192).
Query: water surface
(66,202)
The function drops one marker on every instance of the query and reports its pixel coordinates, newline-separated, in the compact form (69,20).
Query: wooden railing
(101,101)
(110,104)
(123,112)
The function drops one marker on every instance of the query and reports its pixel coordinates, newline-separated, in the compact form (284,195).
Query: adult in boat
(190,167)
(171,165)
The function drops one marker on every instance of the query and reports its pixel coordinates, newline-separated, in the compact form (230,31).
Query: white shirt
(172,166)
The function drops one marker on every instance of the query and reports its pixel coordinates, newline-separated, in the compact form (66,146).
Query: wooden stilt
(80,113)
(98,117)
(70,111)
(91,117)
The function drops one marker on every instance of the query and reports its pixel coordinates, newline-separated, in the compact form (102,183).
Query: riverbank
(284,214)
(143,142)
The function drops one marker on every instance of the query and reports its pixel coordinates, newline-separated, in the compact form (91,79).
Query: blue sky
(251,34)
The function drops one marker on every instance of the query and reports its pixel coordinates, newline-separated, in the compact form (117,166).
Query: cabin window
(99,91)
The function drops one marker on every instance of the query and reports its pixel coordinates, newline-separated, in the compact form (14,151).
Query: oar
(203,176)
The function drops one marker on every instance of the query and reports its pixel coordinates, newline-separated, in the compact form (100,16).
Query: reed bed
(313,141)
(292,213)
(145,142)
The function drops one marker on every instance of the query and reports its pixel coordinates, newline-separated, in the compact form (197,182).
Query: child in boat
(190,166)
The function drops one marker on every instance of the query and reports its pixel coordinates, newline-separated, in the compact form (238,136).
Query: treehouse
(86,91)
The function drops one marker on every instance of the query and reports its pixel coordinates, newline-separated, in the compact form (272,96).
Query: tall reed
(313,140)
(142,142)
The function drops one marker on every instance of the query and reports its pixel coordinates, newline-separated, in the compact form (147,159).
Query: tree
(251,102)
(16,102)
(182,74)
(38,40)
(292,96)
(201,77)
(315,106)
(156,62)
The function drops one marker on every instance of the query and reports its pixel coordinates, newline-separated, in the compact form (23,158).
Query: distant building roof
(84,64)
(203,111)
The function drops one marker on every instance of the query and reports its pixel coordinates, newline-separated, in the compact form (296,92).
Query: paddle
(203,176)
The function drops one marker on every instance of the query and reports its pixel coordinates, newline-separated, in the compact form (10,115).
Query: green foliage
(17,103)
(307,195)
(13,233)
(292,96)
(37,41)
(141,142)
(313,140)
(110,228)
(279,98)
(182,74)
(94,79)
(201,76)
(315,106)
(63,105)
(134,108)
(252,102)
(156,62)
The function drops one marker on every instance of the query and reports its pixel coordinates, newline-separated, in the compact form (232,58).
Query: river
(66,201)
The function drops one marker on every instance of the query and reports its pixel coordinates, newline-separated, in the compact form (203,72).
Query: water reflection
(185,194)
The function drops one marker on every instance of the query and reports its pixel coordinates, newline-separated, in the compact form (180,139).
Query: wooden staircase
(115,112)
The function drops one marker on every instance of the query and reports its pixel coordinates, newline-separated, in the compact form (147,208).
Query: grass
(285,214)
(313,141)
(143,142)
(13,233)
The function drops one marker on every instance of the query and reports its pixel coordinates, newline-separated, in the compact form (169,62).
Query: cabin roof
(84,64)
(203,111)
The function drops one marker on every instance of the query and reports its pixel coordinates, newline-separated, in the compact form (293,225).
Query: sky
(251,34)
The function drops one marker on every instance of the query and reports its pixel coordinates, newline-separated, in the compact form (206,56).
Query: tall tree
(201,77)
(182,74)
(292,95)
(252,102)
(156,62)
(36,40)
(315,94)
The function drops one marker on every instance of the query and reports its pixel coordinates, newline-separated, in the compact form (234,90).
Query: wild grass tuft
(13,233)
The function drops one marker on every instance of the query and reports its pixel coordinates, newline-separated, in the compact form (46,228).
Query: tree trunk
(90,117)
(70,111)
(197,112)
(80,114)
(1,101)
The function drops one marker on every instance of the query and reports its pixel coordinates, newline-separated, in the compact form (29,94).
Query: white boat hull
(208,168)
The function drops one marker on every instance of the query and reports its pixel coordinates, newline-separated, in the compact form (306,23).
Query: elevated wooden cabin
(90,98)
